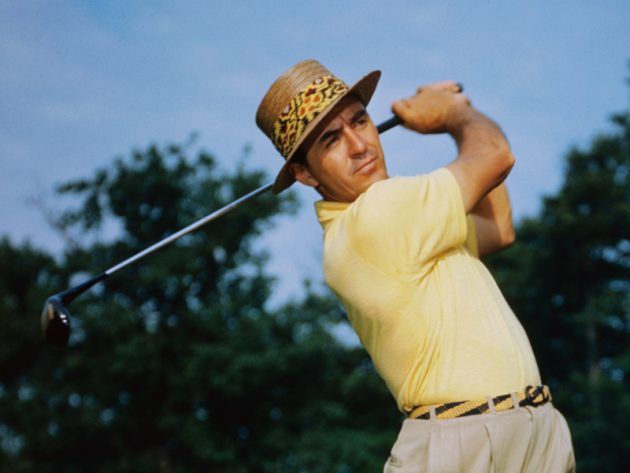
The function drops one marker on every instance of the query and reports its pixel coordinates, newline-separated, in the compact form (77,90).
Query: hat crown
(284,89)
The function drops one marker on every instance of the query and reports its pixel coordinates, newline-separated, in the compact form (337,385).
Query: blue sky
(83,82)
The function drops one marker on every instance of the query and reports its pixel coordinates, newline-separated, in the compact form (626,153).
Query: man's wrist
(462,118)
(469,123)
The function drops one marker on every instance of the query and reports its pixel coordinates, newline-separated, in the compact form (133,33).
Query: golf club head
(56,322)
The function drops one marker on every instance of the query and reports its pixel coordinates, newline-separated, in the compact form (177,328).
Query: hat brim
(364,89)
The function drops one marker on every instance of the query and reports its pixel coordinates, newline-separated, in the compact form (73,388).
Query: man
(402,255)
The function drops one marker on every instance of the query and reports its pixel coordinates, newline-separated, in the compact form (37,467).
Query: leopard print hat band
(303,109)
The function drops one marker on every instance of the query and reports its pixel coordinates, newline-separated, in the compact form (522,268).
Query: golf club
(55,317)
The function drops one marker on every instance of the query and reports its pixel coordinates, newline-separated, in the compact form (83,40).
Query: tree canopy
(176,364)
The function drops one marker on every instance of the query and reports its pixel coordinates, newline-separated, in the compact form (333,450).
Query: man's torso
(402,259)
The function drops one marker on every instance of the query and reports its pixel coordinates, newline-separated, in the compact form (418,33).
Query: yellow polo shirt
(402,258)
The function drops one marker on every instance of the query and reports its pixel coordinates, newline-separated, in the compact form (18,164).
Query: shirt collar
(328,210)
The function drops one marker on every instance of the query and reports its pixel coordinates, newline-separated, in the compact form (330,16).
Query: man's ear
(300,173)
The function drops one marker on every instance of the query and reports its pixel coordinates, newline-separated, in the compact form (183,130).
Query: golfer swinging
(402,254)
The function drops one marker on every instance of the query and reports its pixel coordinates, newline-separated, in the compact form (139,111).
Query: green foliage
(176,365)
(568,279)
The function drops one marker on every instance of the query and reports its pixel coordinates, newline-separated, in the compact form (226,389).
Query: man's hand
(436,108)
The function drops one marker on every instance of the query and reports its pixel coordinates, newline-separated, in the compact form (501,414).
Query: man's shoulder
(381,204)
(398,191)
(399,224)
(401,183)
(387,204)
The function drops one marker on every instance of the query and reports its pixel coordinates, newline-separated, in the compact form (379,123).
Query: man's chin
(378,175)
(373,178)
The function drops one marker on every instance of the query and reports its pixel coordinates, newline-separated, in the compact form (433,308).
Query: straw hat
(297,101)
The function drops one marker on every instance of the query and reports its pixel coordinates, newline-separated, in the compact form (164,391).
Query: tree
(176,364)
(26,278)
(568,279)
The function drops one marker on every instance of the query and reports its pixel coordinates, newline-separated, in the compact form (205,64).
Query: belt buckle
(529,397)
(531,392)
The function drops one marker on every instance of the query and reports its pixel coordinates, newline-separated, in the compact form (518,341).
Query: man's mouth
(366,166)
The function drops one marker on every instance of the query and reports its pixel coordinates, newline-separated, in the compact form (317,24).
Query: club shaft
(383,127)
(190,228)
(69,295)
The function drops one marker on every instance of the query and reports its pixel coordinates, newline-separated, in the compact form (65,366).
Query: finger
(461,98)
(402,109)
(451,86)
(448,85)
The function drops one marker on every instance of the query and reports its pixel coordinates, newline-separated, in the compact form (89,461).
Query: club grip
(388,124)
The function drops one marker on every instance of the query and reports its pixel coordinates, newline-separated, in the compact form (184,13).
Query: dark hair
(300,157)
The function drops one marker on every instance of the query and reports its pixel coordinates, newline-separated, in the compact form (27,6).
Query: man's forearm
(480,138)
(484,158)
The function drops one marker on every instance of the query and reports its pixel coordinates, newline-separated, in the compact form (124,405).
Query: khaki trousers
(526,439)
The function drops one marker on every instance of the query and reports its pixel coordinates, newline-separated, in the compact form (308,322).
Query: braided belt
(531,396)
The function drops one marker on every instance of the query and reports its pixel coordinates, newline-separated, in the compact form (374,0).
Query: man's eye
(331,140)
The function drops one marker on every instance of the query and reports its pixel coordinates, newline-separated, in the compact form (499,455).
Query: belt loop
(491,404)
(432,414)
(515,400)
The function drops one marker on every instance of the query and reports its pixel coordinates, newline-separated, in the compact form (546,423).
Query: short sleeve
(403,222)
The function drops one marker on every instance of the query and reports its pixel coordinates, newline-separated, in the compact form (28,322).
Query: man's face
(344,155)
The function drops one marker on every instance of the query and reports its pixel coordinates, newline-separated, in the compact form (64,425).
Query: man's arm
(493,221)
(483,161)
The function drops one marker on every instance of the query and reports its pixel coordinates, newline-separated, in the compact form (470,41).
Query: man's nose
(356,144)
